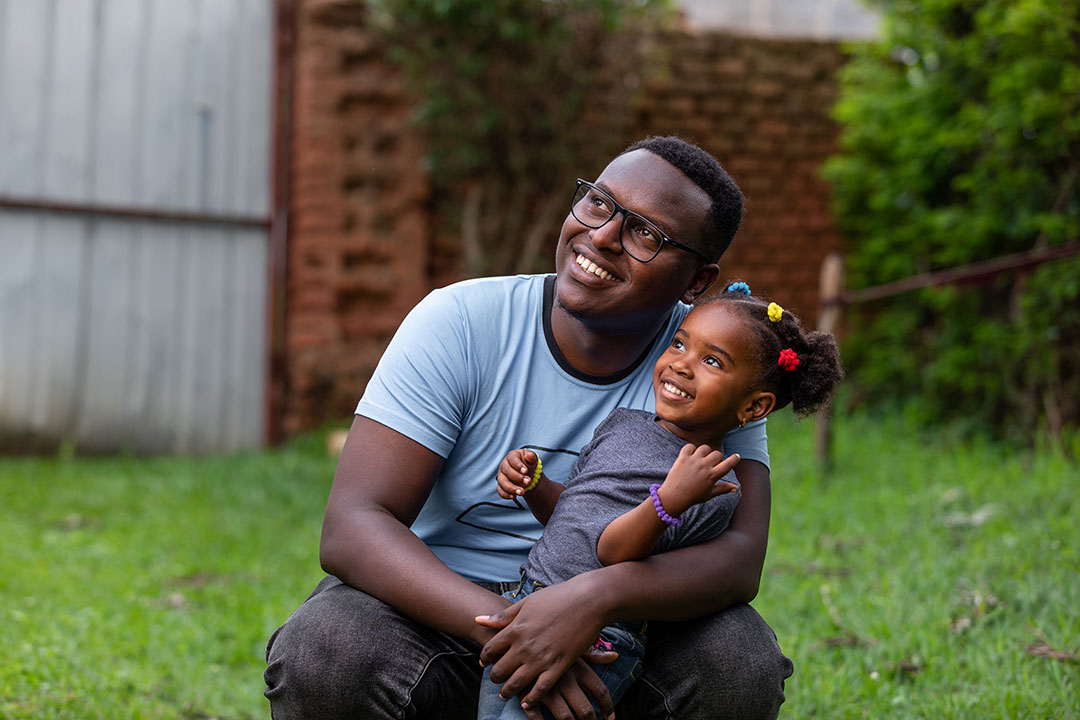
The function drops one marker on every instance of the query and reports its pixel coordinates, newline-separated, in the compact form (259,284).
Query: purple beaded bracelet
(660,511)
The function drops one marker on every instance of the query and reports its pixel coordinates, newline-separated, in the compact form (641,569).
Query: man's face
(598,282)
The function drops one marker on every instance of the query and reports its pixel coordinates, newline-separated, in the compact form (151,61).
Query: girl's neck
(715,440)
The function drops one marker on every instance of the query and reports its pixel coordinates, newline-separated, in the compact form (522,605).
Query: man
(418,543)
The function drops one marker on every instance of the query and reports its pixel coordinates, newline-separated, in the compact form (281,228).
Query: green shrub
(961,143)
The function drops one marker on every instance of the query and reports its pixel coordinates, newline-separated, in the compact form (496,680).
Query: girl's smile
(704,381)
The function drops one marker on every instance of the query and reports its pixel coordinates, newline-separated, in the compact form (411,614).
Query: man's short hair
(726,213)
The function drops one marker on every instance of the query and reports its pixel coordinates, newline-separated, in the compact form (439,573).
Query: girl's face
(704,381)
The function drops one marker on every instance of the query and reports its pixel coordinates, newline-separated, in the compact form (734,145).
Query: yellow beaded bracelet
(536,475)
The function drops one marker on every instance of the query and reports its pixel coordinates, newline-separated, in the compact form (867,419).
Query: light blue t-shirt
(472,373)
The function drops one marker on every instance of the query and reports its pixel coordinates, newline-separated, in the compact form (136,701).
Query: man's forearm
(388,561)
(679,585)
(366,541)
(699,579)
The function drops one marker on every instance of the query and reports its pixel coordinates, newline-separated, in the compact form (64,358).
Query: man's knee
(345,654)
(318,664)
(748,647)
(728,665)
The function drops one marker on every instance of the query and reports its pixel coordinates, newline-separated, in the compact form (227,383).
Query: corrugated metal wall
(135,142)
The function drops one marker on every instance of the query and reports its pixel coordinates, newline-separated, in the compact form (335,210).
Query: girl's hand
(515,473)
(696,477)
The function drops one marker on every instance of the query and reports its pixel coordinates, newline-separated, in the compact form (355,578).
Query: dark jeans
(344,654)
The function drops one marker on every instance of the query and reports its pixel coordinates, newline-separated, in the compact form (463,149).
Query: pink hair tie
(789,359)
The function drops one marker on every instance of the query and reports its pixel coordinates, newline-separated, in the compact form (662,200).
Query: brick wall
(762,108)
(359,219)
(363,247)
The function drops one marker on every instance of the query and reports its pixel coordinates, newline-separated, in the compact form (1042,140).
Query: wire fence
(834,298)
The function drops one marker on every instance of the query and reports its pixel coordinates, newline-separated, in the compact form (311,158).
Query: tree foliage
(514,97)
(961,143)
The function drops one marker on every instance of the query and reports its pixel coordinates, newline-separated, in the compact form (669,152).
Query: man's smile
(591,267)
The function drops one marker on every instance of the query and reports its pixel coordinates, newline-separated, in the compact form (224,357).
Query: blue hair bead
(738,287)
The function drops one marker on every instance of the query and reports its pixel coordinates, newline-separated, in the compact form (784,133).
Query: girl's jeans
(627,639)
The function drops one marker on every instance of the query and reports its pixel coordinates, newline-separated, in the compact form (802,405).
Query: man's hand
(540,638)
(515,473)
(569,699)
(696,477)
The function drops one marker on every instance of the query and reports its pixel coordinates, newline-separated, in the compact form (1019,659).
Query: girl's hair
(811,384)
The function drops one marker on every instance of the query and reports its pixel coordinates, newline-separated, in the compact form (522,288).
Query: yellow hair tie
(775,312)
(536,475)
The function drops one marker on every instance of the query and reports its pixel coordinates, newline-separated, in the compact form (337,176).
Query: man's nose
(607,236)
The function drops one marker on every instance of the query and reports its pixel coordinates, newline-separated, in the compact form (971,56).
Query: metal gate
(135,181)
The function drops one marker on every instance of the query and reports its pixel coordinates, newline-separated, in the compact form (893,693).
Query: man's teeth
(592,267)
(672,389)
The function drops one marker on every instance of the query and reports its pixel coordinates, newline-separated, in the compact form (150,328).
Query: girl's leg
(492,707)
(620,675)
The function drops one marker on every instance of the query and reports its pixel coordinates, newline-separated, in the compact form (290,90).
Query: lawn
(933,579)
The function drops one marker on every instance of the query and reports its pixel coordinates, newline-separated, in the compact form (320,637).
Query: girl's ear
(758,404)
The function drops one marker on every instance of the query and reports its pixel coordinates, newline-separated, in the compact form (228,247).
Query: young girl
(647,483)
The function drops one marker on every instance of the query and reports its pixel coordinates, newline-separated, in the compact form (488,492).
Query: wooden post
(830,292)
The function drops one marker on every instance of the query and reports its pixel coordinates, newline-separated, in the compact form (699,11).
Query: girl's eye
(710,360)
(677,344)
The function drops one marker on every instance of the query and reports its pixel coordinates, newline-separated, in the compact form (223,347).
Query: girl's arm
(682,584)
(695,477)
(516,473)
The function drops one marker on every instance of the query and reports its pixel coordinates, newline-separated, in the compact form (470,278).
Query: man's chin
(576,314)
(576,300)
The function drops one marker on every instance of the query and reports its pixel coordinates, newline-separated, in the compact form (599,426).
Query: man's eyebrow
(662,226)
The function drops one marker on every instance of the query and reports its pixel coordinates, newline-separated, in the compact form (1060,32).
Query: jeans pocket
(620,674)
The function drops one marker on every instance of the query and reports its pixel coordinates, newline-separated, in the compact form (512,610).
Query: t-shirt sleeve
(419,387)
(750,442)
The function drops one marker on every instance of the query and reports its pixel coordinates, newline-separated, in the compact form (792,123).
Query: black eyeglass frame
(619,209)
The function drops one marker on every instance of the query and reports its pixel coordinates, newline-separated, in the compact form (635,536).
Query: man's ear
(758,404)
(702,281)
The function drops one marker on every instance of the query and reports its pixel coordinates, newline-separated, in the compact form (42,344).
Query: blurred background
(213,215)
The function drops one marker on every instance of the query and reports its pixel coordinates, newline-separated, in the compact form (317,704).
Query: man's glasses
(594,208)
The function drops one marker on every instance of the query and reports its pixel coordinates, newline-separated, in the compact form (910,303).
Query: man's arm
(700,579)
(682,584)
(382,481)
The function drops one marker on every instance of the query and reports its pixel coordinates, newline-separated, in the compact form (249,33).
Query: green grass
(924,578)
(147,588)
(932,580)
